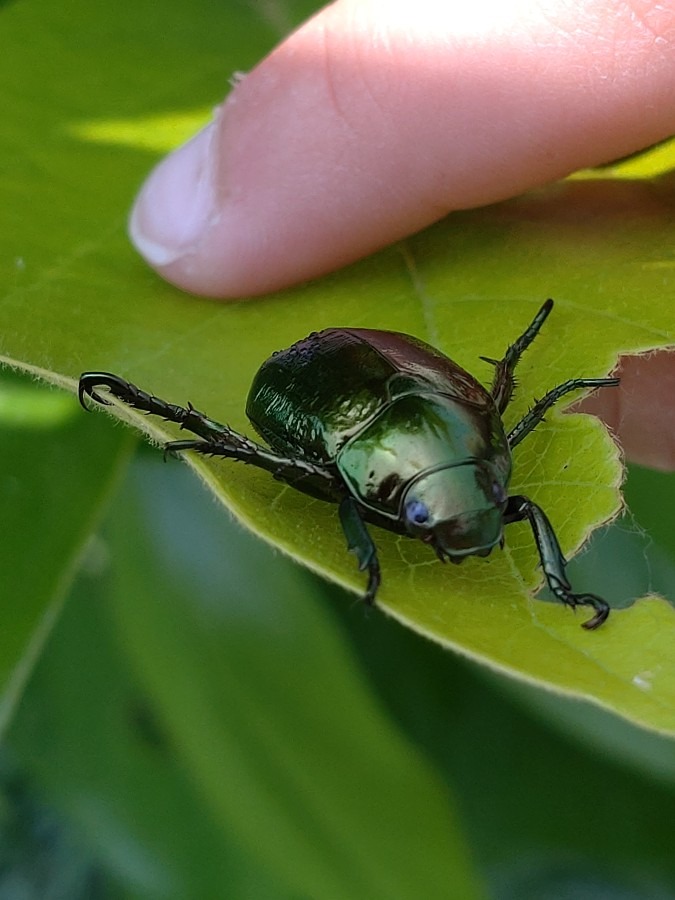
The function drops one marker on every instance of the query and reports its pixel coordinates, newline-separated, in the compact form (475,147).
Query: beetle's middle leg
(552,560)
(360,541)
(530,421)
(318,481)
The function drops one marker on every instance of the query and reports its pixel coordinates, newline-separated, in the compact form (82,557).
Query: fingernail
(176,204)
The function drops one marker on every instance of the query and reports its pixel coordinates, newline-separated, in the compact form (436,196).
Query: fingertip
(374,120)
(641,410)
(177,203)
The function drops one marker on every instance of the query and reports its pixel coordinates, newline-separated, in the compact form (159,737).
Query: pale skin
(378,117)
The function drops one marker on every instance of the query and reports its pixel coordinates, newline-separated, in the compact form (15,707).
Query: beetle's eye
(498,492)
(416,512)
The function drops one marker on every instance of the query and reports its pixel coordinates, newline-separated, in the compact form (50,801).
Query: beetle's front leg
(552,560)
(361,543)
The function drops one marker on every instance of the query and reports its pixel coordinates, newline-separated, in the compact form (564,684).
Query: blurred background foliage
(186,713)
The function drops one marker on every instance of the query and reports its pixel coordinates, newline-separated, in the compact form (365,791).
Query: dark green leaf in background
(56,472)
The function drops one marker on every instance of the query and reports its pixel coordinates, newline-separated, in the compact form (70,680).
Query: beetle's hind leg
(536,415)
(504,382)
(552,560)
(216,439)
(361,543)
(187,417)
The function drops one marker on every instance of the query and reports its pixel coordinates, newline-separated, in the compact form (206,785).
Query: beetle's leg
(217,439)
(530,421)
(237,446)
(361,543)
(187,417)
(504,383)
(552,561)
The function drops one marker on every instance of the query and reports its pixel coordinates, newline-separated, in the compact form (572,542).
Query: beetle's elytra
(392,431)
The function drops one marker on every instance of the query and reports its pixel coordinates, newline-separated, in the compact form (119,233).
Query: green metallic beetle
(395,433)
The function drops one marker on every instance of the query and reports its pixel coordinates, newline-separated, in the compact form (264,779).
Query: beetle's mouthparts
(456,558)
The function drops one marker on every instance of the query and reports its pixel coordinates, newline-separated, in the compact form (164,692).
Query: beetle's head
(459,510)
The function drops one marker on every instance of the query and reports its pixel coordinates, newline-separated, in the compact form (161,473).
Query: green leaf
(94,745)
(56,473)
(77,298)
